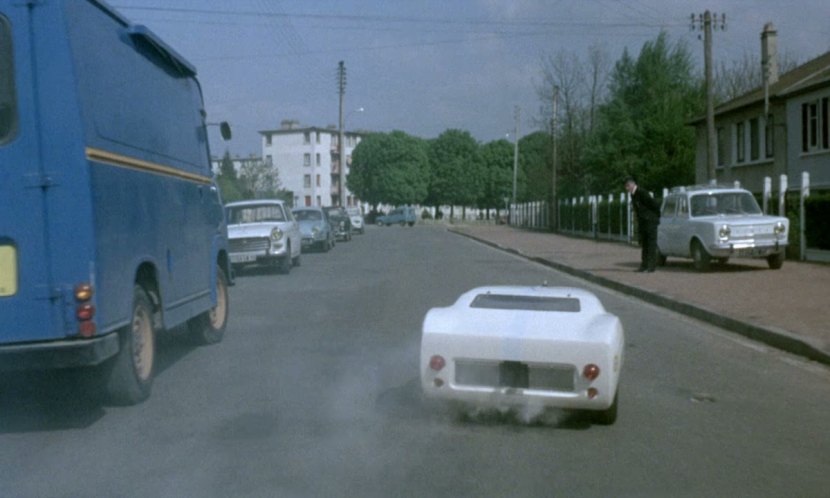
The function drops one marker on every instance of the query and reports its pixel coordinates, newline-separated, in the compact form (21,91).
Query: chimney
(769,55)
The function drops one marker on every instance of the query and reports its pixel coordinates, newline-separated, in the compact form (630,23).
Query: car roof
(705,189)
(255,202)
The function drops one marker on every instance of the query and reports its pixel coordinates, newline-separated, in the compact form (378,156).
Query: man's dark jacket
(646,207)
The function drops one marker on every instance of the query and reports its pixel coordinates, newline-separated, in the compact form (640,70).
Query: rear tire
(607,416)
(209,327)
(702,260)
(130,372)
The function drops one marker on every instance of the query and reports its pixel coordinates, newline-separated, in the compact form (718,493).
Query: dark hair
(629,179)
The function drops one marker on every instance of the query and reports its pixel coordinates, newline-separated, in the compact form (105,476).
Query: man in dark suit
(648,217)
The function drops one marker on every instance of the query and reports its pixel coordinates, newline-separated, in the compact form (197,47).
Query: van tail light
(85,311)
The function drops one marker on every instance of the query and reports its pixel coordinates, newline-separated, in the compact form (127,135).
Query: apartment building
(308,161)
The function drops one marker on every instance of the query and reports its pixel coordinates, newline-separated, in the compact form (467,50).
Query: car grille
(251,244)
(514,374)
(753,230)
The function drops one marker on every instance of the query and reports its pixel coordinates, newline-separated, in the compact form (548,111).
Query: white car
(358,224)
(263,232)
(509,347)
(707,223)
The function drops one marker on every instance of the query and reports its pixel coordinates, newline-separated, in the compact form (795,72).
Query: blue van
(399,216)
(111,227)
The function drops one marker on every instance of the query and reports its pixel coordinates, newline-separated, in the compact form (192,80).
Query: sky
(425,66)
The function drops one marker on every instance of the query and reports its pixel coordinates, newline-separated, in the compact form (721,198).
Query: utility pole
(707,21)
(554,205)
(341,85)
(516,114)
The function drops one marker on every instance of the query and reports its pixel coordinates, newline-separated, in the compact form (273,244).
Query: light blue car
(315,228)
(398,216)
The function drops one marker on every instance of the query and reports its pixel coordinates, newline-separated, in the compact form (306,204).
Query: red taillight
(87,329)
(590,372)
(437,363)
(85,311)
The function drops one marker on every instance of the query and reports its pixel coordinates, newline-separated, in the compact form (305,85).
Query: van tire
(130,372)
(209,327)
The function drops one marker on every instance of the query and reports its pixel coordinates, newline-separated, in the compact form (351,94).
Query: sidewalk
(788,308)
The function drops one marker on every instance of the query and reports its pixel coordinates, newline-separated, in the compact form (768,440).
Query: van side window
(8,99)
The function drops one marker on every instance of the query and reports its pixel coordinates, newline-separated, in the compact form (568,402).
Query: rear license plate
(243,258)
(8,271)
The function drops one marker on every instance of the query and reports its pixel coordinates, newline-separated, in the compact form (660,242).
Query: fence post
(782,195)
(622,216)
(629,221)
(805,192)
(767,193)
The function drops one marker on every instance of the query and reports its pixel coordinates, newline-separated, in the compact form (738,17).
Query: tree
(642,129)
(390,168)
(258,179)
(743,75)
(227,180)
(457,178)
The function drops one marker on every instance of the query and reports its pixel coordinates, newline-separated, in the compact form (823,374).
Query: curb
(778,339)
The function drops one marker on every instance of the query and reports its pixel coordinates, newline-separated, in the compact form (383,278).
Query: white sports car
(515,347)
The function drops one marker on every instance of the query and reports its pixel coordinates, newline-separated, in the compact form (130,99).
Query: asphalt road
(314,393)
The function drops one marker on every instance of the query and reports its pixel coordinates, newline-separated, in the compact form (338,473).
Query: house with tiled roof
(781,128)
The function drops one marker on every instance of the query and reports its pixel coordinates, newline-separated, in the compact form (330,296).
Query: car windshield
(725,203)
(527,303)
(354,211)
(255,213)
(308,215)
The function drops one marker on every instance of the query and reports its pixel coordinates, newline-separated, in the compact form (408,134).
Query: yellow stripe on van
(8,271)
(103,156)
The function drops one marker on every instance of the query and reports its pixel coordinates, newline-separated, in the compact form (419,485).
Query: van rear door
(26,296)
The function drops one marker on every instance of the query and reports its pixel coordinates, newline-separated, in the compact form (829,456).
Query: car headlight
(724,232)
(780,228)
(276,234)
(315,231)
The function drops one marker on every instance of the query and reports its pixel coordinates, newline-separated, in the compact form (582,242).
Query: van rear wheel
(130,373)
(209,327)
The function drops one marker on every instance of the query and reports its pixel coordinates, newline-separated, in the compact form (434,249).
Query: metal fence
(609,217)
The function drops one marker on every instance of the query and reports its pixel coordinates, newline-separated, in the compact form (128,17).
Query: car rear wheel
(701,258)
(130,373)
(209,327)
(776,261)
(608,416)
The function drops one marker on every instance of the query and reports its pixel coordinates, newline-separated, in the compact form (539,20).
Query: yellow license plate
(8,271)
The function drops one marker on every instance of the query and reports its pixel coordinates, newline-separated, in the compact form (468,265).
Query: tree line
(611,121)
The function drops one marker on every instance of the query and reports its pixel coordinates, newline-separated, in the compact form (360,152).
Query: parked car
(516,347)
(340,221)
(263,232)
(314,228)
(398,216)
(358,223)
(707,223)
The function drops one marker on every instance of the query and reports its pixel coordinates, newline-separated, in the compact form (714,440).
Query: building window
(754,140)
(769,137)
(319,201)
(307,159)
(721,146)
(308,200)
(307,138)
(268,139)
(269,159)
(740,142)
(307,181)
(815,125)
(318,180)
(319,161)
(318,137)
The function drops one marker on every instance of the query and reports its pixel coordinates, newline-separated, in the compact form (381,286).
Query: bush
(426,214)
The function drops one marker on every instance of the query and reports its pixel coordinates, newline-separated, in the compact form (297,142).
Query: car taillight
(437,363)
(590,372)
(85,311)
